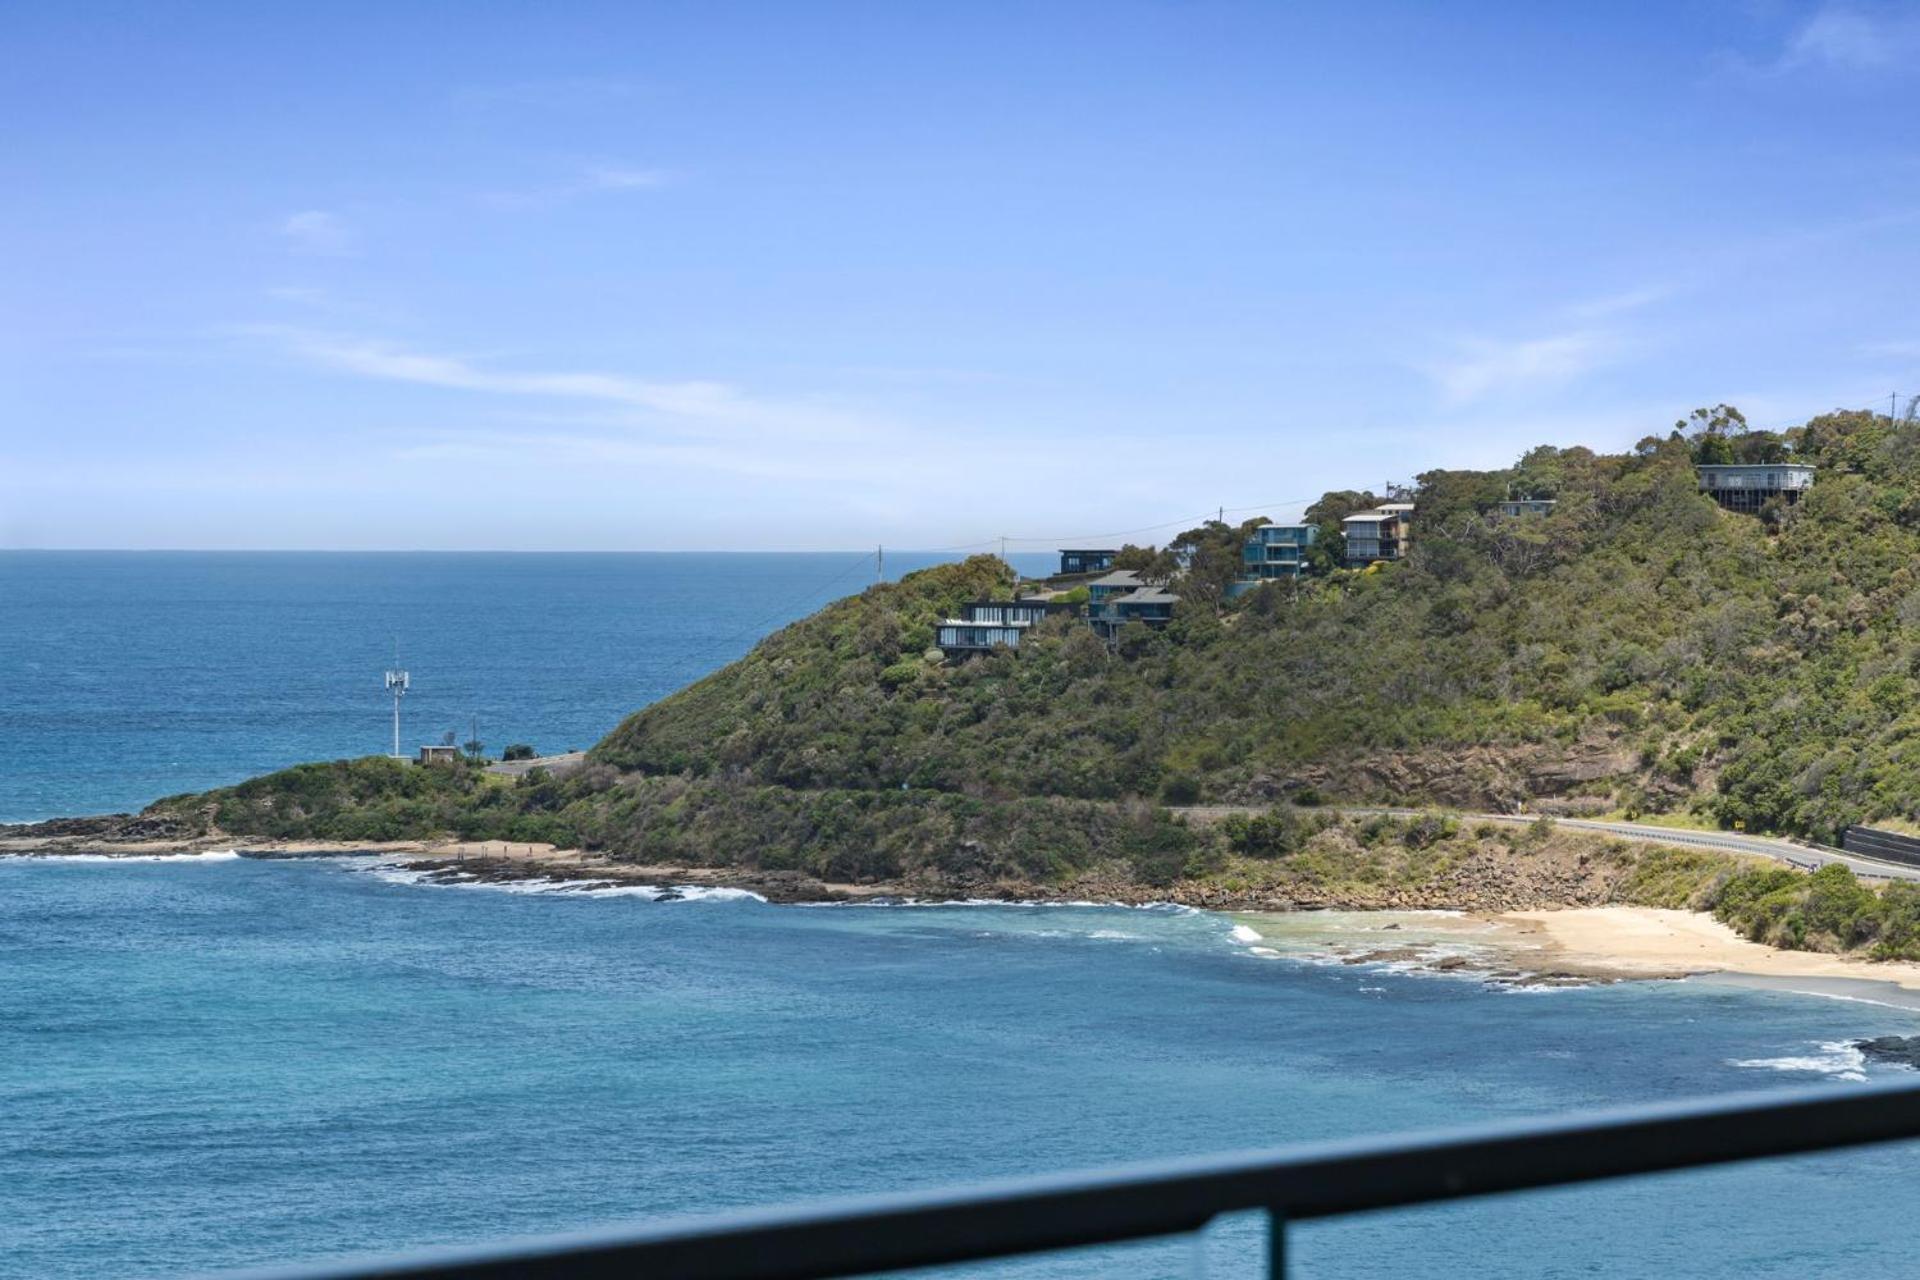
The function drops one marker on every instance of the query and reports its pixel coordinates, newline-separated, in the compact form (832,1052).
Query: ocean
(126,676)
(216,1062)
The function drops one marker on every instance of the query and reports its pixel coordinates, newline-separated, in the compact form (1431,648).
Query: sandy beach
(1647,942)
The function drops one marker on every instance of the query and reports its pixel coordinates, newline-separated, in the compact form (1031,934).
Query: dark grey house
(1083,561)
(1149,604)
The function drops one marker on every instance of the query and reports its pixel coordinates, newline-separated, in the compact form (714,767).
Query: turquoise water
(228,1062)
(129,676)
(219,1062)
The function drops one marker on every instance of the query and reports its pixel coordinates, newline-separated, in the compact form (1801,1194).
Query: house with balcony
(986,625)
(1084,561)
(1117,583)
(1383,534)
(1273,553)
(1152,605)
(1747,486)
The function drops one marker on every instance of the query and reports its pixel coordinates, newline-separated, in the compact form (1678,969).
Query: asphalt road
(1808,856)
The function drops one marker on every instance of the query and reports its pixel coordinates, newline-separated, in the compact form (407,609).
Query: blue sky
(826,275)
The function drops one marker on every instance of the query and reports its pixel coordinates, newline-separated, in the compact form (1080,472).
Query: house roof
(1147,595)
(1755,466)
(1119,578)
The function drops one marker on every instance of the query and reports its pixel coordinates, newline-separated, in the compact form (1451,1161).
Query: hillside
(1638,649)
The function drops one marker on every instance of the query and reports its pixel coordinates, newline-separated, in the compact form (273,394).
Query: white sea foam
(1242,933)
(1265,953)
(1836,1058)
(211,855)
(552,888)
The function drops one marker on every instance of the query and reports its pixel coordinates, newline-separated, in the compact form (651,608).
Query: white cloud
(1850,38)
(1626,300)
(1484,368)
(591,179)
(708,409)
(386,361)
(316,231)
(622,178)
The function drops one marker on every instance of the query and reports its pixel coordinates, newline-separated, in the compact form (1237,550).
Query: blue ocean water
(126,676)
(221,1062)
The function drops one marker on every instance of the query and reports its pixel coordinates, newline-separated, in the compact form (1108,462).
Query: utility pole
(879,564)
(1003,551)
(1221,516)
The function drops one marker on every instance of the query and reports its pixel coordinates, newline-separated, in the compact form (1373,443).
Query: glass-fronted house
(1518,507)
(984,625)
(1084,561)
(1382,534)
(1013,612)
(1747,486)
(1278,550)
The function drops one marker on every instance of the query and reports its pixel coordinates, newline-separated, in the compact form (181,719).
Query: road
(562,763)
(1807,856)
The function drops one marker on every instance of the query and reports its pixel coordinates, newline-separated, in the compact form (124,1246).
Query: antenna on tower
(397,686)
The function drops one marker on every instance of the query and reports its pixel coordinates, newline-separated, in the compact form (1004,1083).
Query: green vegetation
(1638,650)
(1759,669)
(1829,910)
(518,751)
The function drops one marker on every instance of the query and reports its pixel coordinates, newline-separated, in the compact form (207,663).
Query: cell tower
(397,686)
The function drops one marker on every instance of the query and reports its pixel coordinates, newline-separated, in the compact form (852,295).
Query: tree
(518,751)
(1713,450)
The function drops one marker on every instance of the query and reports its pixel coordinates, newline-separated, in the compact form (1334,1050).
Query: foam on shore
(552,888)
(209,855)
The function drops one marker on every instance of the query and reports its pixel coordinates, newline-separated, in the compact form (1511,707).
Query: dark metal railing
(1174,1197)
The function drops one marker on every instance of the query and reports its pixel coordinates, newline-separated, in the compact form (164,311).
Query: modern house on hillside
(1082,561)
(1149,604)
(1117,583)
(1278,550)
(1518,507)
(984,625)
(1014,612)
(1274,552)
(1747,486)
(1384,533)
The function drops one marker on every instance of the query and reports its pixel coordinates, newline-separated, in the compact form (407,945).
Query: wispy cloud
(1484,368)
(1849,37)
(374,359)
(590,179)
(615,402)
(316,231)
(1839,36)
(1627,300)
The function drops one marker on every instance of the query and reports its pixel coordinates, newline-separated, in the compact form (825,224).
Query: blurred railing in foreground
(1167,1198)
